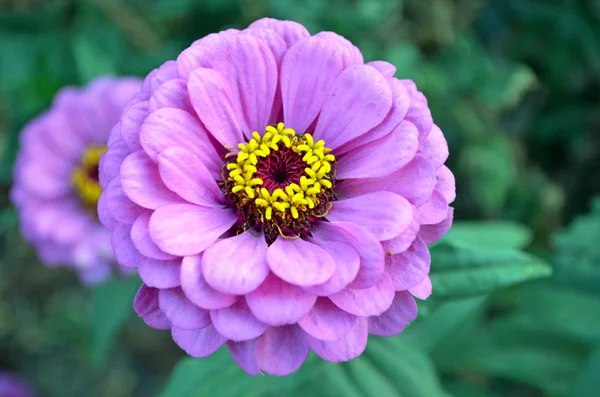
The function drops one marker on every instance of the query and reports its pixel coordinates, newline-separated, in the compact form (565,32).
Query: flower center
(280,182)
(84,178)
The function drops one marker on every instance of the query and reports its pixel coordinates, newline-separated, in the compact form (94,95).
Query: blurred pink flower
(276,195)
(56,186)
(12,386)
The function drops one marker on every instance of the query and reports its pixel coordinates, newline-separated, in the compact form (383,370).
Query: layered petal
(370,301)
(186,229)
(281,350)
(198,342)
(350,346)
(146,306)
(198,290)
(326,321)
(300,262)
(236,265)
(237,323)
(276,302)
(181,312)
(401,313)
(384,214)
(358,101)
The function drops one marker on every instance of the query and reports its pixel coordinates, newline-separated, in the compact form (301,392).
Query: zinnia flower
(56,186)
(276,195)
(11,386)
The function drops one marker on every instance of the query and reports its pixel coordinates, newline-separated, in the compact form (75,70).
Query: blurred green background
(514,85)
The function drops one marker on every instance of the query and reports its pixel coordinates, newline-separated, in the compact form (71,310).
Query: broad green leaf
(460,270)
(112,305)
(92,60)
(521,349)
(441,325)
(496,234)
(588,383)
(410,371)
(564,311)
(220,375)
(369,379)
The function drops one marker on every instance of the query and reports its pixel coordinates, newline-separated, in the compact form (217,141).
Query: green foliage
(112,304)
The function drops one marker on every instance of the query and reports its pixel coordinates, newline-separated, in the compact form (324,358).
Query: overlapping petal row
(55,186)
(212,274)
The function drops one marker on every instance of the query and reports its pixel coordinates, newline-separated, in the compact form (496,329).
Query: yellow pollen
(84,183)
(295,198)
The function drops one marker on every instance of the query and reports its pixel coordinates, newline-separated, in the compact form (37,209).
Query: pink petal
(131,122)
(401,242)
(415,182)
(308,72)
(281,350)
(347,263)
(213,98)
(272,39)
(326,321)
(142,184)
(172,94)
(300,262)
(446,184)
(276,302)
(119,205)
(248,63)
(385,68)
(237,322)
(418,112)
(381,157)
(104,215)
(347,348)
(384,214)
(110,162)
(408,268)
(244,354)
(197,289)
(351,54)
(422,290)
(368,247)
(140,235)
(435,148)
(180,311)
(290,31)
(432,233)
(371,301)
(146,306)
(166,72)
(435,210)
(184,173)
(187,229)
(198,342)
(213,40)
(169,127)
(358,101)
(402,312)
(160,274)
(192,58)
(125,252)
(236,265)
(115,134)
(400,104)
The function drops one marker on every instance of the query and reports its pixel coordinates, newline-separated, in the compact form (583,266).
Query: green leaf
(369,379)
(588,382)
(111,304)
(460,270)
(220,375)
(496,234)
(409,371)
(442,324)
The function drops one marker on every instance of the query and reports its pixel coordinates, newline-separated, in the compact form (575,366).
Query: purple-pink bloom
(56,188)
(12,386)
(276,195)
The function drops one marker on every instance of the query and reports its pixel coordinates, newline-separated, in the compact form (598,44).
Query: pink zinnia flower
(12,386)
(56,186)
(276,195)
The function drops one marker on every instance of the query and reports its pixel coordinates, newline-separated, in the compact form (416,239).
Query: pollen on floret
(84,179)
(280,181)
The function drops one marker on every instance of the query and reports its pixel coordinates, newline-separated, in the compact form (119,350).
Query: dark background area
(514,85)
